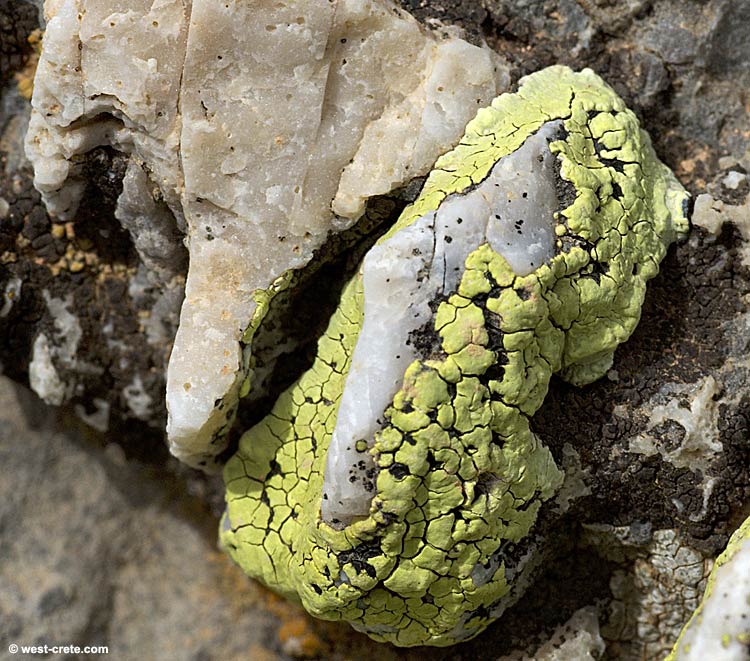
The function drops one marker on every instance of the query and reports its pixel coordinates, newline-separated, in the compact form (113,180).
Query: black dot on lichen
(399,471)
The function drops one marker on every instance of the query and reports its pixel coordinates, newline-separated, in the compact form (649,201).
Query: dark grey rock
(99,550)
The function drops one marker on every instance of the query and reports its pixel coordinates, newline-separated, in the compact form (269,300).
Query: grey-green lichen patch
(720,628)
(657,584)
(455,474)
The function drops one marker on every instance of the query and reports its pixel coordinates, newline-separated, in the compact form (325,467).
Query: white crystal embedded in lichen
(512,210)
(720,628)
(245,117)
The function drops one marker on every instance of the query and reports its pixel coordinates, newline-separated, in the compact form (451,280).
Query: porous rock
(264,129)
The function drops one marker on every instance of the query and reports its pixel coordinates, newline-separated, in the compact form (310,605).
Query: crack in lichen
(460,478)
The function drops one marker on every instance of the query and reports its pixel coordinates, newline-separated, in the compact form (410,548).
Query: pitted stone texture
(658,584)
(251,123)
(18,18)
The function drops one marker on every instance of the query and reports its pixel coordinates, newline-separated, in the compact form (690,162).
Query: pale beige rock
(578,639)
(403,140)
(711,213)
(107,77)
(253,119)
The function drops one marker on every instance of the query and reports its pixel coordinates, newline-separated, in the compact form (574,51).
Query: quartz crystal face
(264,127)
(718,629)
(397,484)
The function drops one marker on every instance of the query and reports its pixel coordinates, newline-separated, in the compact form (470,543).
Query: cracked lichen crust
(453,477)
(720,627)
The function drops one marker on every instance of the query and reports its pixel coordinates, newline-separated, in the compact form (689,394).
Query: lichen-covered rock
(264,129)
(389,484)
(682,68)
(720,627)
(657,585)
(17,20)
(88,559)
(663,438)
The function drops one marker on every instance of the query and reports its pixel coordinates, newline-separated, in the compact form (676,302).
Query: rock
(694,324)
(17,20)
(226,137)
(397,485)
(711,213)
(656,587)
(647,426)
(577,639)
(89,554)
(719,628)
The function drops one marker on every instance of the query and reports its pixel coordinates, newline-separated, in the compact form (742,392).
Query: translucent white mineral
(720,630)
(512,210)
(245,116)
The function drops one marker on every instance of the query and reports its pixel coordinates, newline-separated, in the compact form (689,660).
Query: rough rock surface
(683,67)
(719,628)
(88,556)
(264,130)
(389,484)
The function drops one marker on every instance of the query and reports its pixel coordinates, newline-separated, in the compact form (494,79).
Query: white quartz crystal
(43,377)
(721,629)
(245,116)
(578,639)
(512,210)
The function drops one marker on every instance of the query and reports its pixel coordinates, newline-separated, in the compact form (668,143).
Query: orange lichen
(25,77)
(298,638)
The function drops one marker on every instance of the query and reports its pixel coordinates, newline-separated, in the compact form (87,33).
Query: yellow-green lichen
(457,475)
